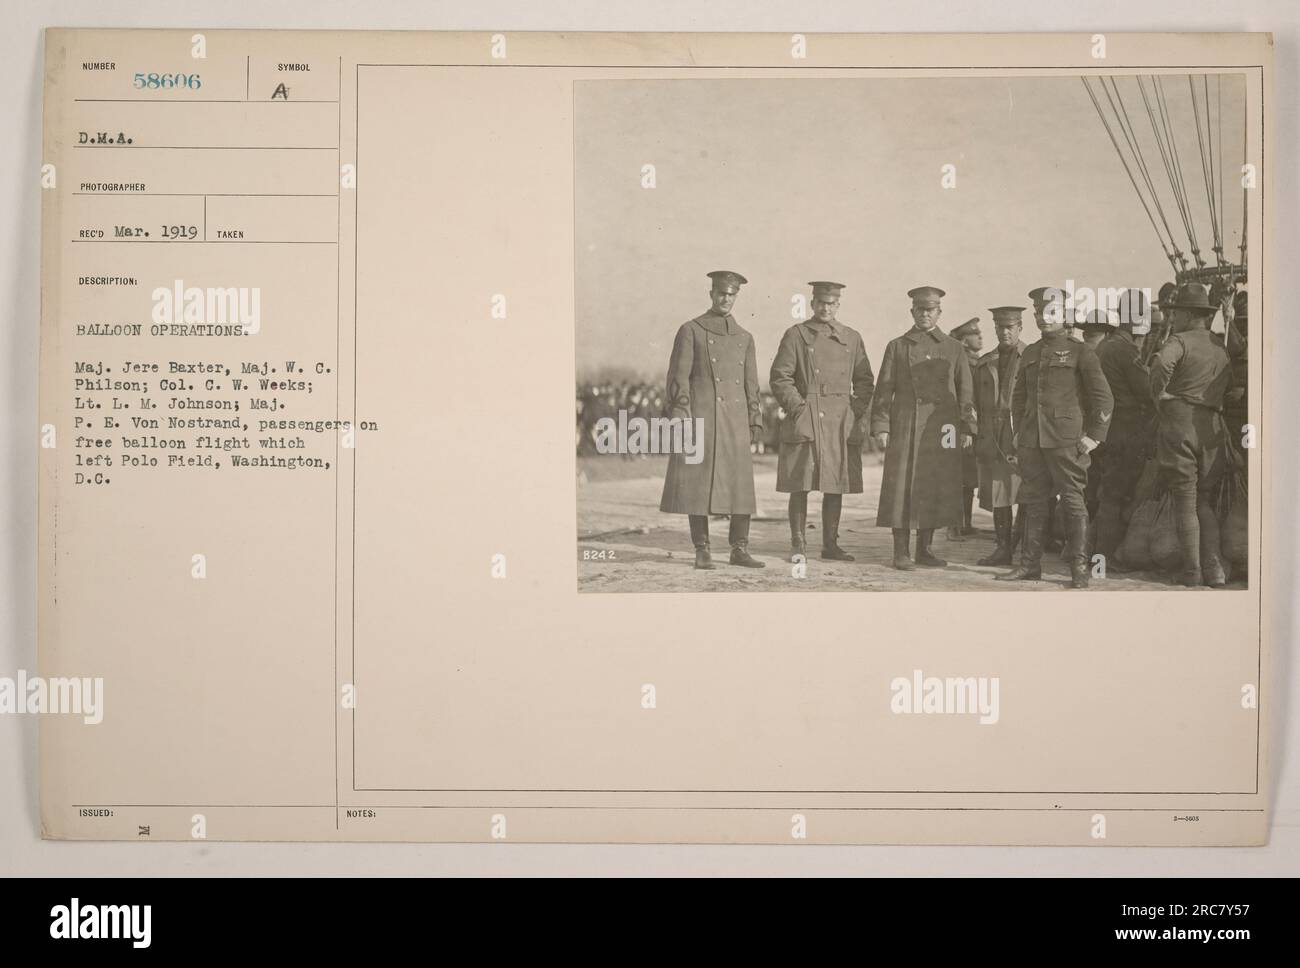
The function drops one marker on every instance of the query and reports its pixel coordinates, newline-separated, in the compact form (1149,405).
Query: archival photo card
(962,339)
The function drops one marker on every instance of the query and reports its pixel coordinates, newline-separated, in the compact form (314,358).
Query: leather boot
(1076,526)
(1211,564)
(700,538)
(1051,540)
(902,559)
(1189,533)
(1110,530)
(1031,551)
(831,550)
(923,557)
(738,538)
(1002,535)
(798,525)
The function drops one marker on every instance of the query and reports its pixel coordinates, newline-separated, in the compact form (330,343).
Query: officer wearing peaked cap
(822,378)
(713,382)
(968,334)
(1060,411)
(922,416)
(1189,377)
(995,376)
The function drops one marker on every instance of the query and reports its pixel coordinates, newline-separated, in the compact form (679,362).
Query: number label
(157,82)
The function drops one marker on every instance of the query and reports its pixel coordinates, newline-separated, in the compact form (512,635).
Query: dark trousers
(1128,444)
(737,531)
(1045,471)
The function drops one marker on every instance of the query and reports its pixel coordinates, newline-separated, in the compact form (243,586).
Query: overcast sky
(788,180)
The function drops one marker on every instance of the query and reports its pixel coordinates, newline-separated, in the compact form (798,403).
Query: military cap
(926,295)
(1044,295)
(724,280)
(826,288)
(1194,297)
(1099,319)
(1006,315)
(968,328)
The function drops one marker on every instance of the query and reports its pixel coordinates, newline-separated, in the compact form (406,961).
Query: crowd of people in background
(595,399)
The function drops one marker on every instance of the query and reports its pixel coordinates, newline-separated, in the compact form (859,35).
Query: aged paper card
(956,340)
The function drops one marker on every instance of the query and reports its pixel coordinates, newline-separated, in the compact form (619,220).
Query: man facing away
(1128,441)
(1189,377)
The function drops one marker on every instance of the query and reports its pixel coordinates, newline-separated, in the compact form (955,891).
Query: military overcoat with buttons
(822,379)
(713,376)
(923,400)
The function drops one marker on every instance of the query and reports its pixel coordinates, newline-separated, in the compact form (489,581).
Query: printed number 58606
(155,81)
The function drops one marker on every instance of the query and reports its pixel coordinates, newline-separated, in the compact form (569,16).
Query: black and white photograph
(912,333)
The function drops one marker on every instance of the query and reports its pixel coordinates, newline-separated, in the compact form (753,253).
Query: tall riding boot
(831,550)
(1076,548)
(738,538)
(1051,540)
(1110,530)
(700,538)
(1189,533)
(1031,550)
(1211,563)
(1002,532)
(923,557)
(798,525)
(902,559)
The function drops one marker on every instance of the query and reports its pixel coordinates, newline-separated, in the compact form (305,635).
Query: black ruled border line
(1054,70)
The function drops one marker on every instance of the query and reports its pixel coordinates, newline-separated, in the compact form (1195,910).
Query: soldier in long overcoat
(922,416)
(822,378)
(713,383)
(972,340)
(995,376)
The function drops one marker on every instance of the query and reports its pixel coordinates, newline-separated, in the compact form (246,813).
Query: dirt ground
(626,544)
